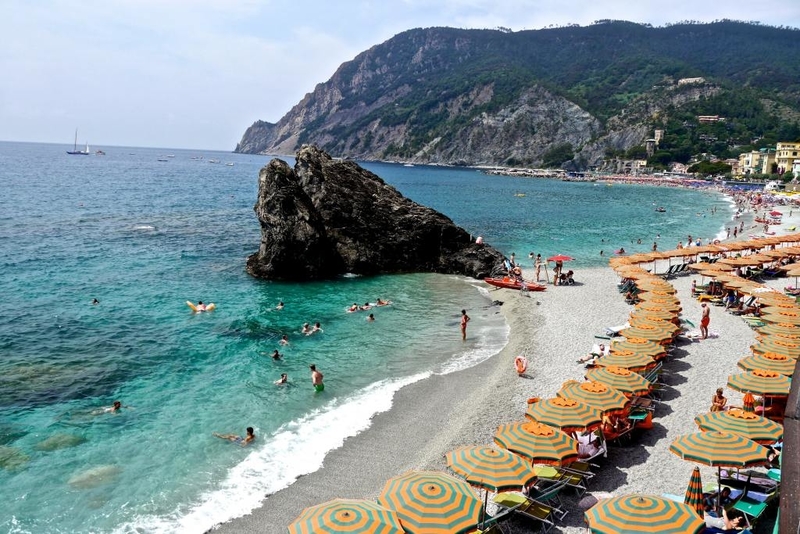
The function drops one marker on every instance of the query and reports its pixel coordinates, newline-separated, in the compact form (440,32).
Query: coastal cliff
(326,217)
(562,97)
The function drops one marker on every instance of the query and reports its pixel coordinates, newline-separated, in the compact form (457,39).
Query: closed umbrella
(642,514)
(625,380)
(608,400)
(540,443)
(567,415)
(760,382)
(748,403)
(745,424)
(490,468)
(430,502)
(770,362)
(694,493)
(346,515)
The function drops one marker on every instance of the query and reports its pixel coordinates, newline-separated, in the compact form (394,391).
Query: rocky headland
(328,217)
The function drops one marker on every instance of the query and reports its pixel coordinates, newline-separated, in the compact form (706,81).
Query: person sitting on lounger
(710,500)
(590,449)
(730,299)
(718,401)
(729,521)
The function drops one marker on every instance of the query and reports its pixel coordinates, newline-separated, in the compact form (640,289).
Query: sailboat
(75,151)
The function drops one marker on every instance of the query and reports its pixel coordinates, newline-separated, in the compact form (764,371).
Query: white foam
(297,448)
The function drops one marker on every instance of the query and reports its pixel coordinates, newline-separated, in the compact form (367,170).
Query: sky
(197,73)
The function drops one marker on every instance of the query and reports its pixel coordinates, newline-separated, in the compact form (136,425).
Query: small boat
(508,283)
(519,195)
(408,165)
(99,153)
(661,210)
(75,151)
(229,164)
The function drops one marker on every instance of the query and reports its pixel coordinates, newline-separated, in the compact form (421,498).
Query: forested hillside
(489,96)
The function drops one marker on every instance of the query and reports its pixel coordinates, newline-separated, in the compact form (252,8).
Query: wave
(296,449)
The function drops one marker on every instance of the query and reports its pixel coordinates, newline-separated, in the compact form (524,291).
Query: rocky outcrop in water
(327,217)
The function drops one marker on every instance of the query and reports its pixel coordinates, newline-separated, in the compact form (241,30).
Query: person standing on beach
(705,318)
(464,320)
(316,379)
(538,265)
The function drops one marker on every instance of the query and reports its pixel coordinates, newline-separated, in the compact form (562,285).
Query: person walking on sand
(705,318)
(316,379)
(464,320)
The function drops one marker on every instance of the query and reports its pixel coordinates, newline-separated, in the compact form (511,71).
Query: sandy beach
(552,329)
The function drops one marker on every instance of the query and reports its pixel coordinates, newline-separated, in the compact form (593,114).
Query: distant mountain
(566,96)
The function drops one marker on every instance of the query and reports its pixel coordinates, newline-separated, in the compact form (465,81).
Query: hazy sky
(197,73)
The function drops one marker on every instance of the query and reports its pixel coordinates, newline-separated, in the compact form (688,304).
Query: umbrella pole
(485,502)
(719,488)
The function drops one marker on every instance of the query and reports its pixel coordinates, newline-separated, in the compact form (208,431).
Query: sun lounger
(491,524)
(519,504)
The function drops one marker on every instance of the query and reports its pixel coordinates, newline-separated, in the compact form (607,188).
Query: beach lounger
(491,524)
(519,504)
(670,272)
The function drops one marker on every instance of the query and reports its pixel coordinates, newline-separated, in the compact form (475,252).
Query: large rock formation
(327,217)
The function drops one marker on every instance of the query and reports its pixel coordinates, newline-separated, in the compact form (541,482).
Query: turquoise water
(143,236)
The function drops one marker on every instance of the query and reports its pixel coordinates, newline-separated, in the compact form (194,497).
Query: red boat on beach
(509,283)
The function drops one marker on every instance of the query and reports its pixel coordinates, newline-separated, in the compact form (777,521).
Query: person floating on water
(366,306)
(464,320)
(353,308)
(381,302)
(233,438)
(371,317)
(284,379)
(200,306)
(284,340)
(279,306)
(316,379)
(114,408)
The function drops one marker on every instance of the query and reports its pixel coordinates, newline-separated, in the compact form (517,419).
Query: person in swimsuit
(316,379)
(718,401)
(284,340)
(366,306)
(284,379)
(233,438)
(353,308)
(200,306)
(306,329)
(279,306)
(371,317)
(276,355)
(464,320)
(317,328)
(95,301)
(704,320)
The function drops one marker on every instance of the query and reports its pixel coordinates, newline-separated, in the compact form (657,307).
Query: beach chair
(492,524)
(670,272)
(519,504)
(549,493)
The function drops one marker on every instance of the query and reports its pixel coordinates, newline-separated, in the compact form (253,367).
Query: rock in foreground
(325,217)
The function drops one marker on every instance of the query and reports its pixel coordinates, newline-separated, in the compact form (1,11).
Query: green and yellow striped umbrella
(653,311)
(347,515)
(663,303)
(625,380)
(760,382)
(640,346)
(627,359)
(643,320)
(490,468)
(694,493)
(777,345)
(781,315)
(431,502)
(567,415)
(645,514)
(608,400)
(785,329)
(745,424)
(541,443)
(770,362)
(719,449)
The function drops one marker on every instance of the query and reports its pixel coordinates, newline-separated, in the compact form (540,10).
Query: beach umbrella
(646,315)
(625,380)
(652,310)
(648,333)
(694,493)
(432,502)
(346,515)
(627,359)
(608,400)
(637,319)
(673,307)
(494,469)
(777,345)
(781,315)
(567,415)
(785,329)
(541,443)
(745,424)
(760,382)
(642,514)
(770,362)
(748,403)
(560,257)
(662,300)
(719,449)
(640,346)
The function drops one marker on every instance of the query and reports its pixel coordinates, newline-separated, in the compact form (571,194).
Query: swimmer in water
(366,306)
(233,438)
(200,306)
(316,379)
(306,329)
(95,301)
(284,340)
(382,302)
(316,329)
(353,308)
(284,379)
(117,406)
(276,355)
(371,317)
(279,306)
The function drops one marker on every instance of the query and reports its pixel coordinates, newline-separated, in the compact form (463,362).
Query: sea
(143,231)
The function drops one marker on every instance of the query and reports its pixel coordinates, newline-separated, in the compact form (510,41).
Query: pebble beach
(552,329)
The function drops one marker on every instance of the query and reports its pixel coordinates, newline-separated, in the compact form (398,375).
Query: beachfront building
(768,159)
(785,156)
